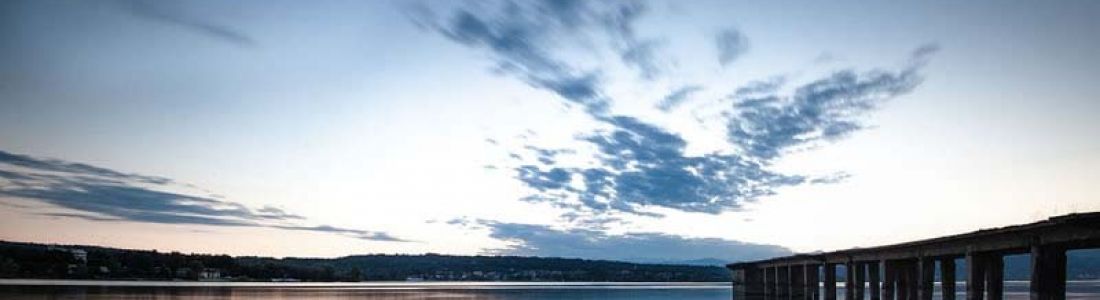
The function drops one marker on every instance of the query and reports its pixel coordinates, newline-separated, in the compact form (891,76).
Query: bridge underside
(907,271)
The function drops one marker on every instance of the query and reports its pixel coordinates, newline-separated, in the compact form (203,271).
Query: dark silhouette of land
(28,260)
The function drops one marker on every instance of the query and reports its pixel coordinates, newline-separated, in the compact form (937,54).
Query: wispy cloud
(541,240)
(160,11)
(764,124)
(53,165)
(106,195)
(677,97)
(638,53)
(731,45)
(759,88)
(360,234)
(521,37)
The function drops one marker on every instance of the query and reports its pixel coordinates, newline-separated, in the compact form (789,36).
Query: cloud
(642,165)
(277,213)
(105,195)
(81,216)
(53,165)
(759,87)
(522,37)
(636,165)
(731,44)
(541,240)
(832,178)
(765,125)
(159,12)
(360,234)
(677,97)
(640,54)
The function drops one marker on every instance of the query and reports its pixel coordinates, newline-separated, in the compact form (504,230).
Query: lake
(79,289)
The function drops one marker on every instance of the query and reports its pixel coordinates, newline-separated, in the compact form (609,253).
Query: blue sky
(708,129)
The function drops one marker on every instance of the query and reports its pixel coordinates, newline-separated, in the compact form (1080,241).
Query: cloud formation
(53,165)
(642,165)
(638,53)
(521,37)
(763,123)
(158,11)
(638,165)
(677,97)
(731,45)
(541,240)
(104,195)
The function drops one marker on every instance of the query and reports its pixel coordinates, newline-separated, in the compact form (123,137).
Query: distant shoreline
(68,262)
(370,284)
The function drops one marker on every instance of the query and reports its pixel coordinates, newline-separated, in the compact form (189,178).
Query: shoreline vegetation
(42,261)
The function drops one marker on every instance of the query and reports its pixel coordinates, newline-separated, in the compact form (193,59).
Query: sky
(628,130)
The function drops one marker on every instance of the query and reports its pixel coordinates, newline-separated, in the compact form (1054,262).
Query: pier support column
(798,282)
(783,282)
(914,278)
(812,287)
(890,275)
(903,279)
(830,281)
(748,284)
(947,278)
(769,283)
(975,277)
(926,278)
(994,277)
(1048,273)
(873,276)
(850,281)
(861,278)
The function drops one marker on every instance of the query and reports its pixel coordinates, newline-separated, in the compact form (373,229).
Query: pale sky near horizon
(644,130)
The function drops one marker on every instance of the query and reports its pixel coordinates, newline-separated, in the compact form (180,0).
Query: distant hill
(28,260)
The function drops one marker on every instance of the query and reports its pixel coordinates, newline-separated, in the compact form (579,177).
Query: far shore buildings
(210,274)
(79,255)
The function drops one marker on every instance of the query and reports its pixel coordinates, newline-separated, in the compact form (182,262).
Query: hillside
(26,260)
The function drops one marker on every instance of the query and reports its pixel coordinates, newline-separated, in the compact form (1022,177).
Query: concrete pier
(889,279)
(873,280)
(812,285)
(908,270)
(926,278)
(947,278)
(829,285)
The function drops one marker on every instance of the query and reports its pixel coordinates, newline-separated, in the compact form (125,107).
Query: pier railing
(907,271)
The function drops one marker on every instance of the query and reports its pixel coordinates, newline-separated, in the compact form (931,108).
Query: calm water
(41,289)
(58,289)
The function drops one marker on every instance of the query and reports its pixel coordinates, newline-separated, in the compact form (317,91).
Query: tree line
(27,260)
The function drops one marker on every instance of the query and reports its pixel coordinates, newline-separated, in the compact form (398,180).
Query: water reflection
(371,291)
(405,291)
